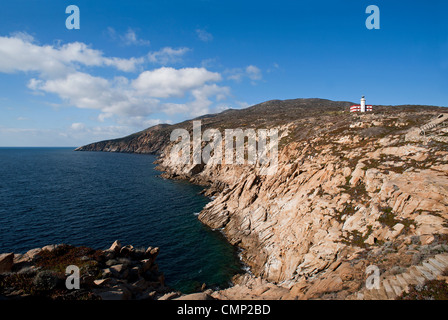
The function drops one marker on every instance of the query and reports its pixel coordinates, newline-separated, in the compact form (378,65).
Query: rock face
(295,222)
(350,190)
(6,262)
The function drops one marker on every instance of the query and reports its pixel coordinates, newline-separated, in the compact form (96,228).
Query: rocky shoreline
(118,273)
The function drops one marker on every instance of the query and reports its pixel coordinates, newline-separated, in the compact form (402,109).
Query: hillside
(267,114)
(350,191)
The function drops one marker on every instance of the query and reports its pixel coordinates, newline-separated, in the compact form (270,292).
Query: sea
(58,195)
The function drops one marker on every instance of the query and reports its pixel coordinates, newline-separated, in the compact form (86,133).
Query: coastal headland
(351,193)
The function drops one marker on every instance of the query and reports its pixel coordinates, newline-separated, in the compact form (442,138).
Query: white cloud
(23,35)
(169,82)
(204,35)
(34,84)
(136,100)
(242,104)
(142,122)
(62,70)
(235,74)
(202,96)
(235,105)
(167,55)
(220,108)
(238,74)
(78,126)
(112,98)
(171,108)
(253,72)
(128,39)
(126,65)
(19,54)
(202,100)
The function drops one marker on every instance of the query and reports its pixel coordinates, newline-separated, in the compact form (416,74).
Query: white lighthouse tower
(362,107)
(363,104)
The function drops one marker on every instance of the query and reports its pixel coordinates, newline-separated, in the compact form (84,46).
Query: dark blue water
(57,195)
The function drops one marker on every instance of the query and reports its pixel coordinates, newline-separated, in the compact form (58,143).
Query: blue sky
(134,64)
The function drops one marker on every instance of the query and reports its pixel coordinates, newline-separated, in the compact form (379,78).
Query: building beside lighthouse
(362,107)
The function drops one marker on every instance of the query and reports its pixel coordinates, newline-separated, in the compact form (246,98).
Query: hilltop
(319,112)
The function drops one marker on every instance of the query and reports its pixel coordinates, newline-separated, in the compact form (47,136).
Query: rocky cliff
(350,190)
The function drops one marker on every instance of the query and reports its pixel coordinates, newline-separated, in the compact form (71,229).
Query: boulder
(151,253)
(102,282)
(148,252)
(146,265)
(111,262)
(51,247)
(127,251)
(107,272)
(31,254)
(6,262)
(195,296)
(119,270)
(115,247)
(396,230)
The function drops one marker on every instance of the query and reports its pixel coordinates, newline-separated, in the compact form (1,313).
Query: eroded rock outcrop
(119,273)
(350,190)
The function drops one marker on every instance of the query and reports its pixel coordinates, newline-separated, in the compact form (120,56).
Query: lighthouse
(363,104)
(362,107)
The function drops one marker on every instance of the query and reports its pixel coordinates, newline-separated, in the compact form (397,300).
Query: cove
(56,195)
